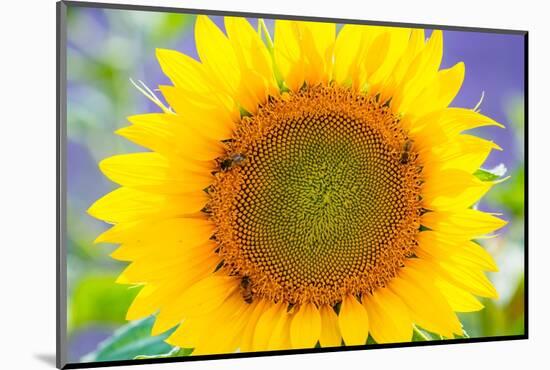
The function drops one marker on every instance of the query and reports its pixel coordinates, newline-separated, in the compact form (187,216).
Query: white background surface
(27,183)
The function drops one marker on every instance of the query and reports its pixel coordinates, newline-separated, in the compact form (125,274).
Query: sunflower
(307,191)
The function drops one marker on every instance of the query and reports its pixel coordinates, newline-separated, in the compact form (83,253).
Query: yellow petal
(459,299)
(259,307)
(471,153)
(330,331)
(415,45)
(430,58)
(428,307)
(389,317)
(130,205)
(448,82)
(472,254)
(359,51)
(440,246)
(176,244)
(461,152)
(265,326)
(122,232)
(317,42)
(249,48)
(161,269)
(170,314)
(375,56)
(205,114)
(350,43)
(397,44)
(168,134)
(153,297)
(155,173)
(221,325)
(280,335)
(257,76)
(207,294)
(453,189)
(439,93)
(142,305)
(451,122)
(390,82)
(178,235)
(469,223)
(324,34)
(353,322)
(421,72)
(184,71)
(456,120)
(216,54)
(181,269)
(305,328)
(288,53)
(436,247)
(188,333)
(303,51)
(469,278)
(226,324)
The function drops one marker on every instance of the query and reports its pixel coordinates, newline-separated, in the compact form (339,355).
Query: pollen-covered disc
(322,201)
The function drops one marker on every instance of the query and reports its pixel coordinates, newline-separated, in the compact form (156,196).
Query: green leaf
(130,341)
(175,352)
(492,174)
(420,335)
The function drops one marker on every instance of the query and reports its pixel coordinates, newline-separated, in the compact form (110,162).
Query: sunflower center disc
(319,197)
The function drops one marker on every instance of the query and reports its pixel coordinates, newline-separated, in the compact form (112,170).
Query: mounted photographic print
(235,184)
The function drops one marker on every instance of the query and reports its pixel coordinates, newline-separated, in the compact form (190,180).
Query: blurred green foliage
(98,300)
(494,320)
(511,194)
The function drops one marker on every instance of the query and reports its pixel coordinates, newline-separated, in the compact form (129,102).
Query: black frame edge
(526,186)
(88,365)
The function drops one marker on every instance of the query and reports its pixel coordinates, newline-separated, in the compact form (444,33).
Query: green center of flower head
(318,197)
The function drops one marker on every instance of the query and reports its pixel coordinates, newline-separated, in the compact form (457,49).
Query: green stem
(262,28)
(264,34)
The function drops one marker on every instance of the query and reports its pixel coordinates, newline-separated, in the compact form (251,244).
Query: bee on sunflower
(313,189)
